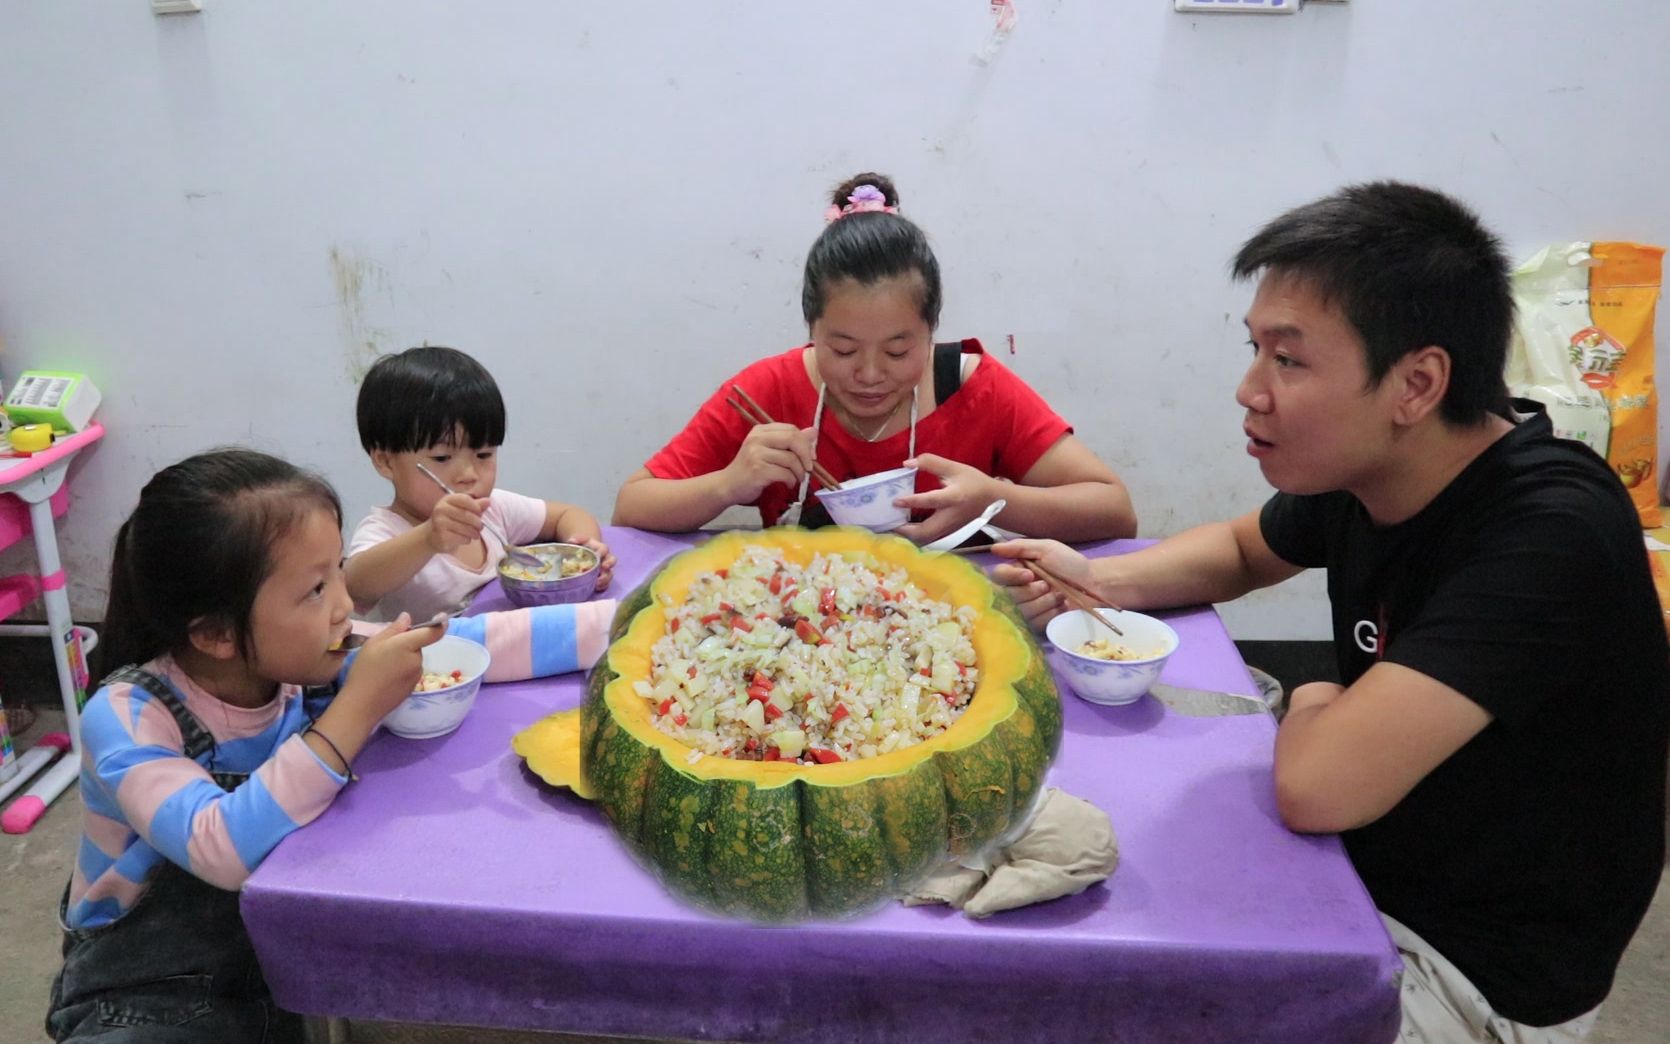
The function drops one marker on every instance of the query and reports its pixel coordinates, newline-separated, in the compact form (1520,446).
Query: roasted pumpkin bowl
(783,840)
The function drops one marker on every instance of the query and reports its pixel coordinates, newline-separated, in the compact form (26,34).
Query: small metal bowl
(557,590)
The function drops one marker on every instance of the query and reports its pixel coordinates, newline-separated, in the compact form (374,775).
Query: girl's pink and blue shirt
(145,801)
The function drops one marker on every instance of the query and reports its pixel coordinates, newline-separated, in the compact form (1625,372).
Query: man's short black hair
(429,396)
(1409,267)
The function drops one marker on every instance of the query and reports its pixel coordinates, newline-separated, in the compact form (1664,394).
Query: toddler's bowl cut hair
(429,396)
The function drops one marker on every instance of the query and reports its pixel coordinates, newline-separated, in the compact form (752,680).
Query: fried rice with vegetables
(837,659)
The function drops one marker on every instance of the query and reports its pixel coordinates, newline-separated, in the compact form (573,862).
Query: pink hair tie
(863,198)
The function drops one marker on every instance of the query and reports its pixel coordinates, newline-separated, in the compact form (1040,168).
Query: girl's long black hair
(198,546)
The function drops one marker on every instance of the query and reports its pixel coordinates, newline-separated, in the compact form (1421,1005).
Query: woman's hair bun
(844,191)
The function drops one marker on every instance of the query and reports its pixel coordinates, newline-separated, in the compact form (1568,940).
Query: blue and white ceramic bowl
(868,501)
(1110,682)
(425,715)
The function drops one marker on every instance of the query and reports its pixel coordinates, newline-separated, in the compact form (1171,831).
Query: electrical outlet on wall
(1241,6)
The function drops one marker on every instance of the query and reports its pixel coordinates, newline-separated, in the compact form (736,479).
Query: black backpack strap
(193,735)
(948,370)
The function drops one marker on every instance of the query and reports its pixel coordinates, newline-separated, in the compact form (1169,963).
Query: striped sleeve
(542,640)
(172,802)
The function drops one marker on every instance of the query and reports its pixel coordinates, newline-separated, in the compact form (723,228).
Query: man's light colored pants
(1440,1006)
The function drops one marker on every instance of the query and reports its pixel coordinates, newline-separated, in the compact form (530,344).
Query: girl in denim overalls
(235,723)
(227,587)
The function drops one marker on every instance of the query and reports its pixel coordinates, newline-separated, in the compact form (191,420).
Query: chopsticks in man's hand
(1072,591)
(1078,594)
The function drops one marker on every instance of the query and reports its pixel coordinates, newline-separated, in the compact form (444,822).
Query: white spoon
(974,525)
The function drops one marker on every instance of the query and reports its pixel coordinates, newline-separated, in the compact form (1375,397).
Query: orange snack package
(1583,346)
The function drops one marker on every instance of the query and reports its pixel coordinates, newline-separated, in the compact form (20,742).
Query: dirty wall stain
(357,279)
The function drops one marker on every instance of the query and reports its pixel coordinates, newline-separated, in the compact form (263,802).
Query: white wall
(223,216)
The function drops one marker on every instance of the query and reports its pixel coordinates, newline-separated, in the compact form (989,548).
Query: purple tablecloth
(449,886)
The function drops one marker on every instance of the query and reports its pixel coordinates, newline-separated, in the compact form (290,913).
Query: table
(447,886)
(40,485)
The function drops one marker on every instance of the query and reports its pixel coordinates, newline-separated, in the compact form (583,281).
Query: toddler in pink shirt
(430,551)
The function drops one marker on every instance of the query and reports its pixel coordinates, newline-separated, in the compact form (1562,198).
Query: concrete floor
(34,866)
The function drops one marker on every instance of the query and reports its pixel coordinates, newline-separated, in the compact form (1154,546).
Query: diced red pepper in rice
(804,630)
(853,614)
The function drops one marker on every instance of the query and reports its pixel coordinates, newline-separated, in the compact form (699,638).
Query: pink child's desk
(33,491)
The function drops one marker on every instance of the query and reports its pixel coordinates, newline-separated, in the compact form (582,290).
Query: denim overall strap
(194,737)
(178,966)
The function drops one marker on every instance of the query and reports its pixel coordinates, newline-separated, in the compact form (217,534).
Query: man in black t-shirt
(1495,760)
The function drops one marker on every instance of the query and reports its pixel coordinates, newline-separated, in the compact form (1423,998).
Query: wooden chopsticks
(753,412)
(1082,597)
(1077,595)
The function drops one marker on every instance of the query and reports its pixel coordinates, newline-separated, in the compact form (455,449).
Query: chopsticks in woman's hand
(753,412)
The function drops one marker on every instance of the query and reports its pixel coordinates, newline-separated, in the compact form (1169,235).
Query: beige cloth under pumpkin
(1063,846)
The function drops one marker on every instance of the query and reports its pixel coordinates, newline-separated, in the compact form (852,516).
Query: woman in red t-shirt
(871,392)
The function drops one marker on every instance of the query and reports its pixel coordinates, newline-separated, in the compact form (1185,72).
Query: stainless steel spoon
(354,639)
(520,555)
